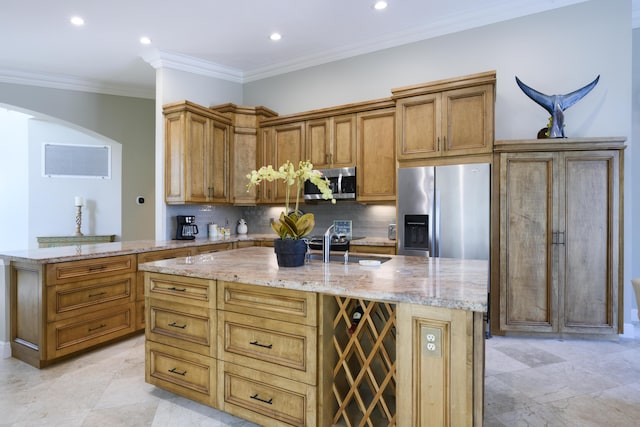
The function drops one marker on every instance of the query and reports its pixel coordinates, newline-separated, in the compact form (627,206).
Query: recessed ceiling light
(379,5)
(145,40)
(77,21)
(275,36)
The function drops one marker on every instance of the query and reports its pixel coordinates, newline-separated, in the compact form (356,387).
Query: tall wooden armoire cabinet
(557,235)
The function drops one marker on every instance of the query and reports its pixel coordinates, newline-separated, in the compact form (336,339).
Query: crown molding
(498,11)
(163,59)
(66,82)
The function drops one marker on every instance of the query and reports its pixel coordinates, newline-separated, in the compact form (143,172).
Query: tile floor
(529,382)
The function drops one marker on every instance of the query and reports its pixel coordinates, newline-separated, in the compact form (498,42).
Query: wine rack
(364,376)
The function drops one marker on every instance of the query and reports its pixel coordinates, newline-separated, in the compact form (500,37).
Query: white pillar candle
(79,201)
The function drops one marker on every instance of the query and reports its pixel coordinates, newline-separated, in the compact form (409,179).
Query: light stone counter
(449,283)
(80,252)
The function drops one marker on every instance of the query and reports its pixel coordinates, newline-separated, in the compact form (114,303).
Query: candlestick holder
(79,220)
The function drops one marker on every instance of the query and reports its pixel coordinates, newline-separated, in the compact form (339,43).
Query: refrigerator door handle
(435,236)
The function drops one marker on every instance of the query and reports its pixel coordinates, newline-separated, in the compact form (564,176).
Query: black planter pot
(290,253)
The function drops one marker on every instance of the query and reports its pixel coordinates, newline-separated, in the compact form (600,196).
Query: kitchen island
(401,343)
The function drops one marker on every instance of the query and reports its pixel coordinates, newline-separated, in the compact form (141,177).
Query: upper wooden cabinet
(196,154)
(331,141)
(445,118)
(376,170)
(557,211)
(243,148)
(278,144)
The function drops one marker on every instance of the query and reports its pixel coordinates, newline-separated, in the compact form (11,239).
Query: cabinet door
(319,143)
(331,142)
(197,158)
(343,141)
(588,241)
(217,171)
(468,117)
(440,366)
(528,196)
(376,172)
(288,144)
(264,191)
(419,122)
(174,133)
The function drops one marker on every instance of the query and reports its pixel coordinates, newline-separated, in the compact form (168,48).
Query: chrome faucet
(326,243)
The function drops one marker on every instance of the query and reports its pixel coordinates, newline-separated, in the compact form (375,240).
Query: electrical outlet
(431,341)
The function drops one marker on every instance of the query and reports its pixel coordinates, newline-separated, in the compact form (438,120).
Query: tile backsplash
(367,220)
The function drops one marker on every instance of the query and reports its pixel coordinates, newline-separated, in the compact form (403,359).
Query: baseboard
(5,350)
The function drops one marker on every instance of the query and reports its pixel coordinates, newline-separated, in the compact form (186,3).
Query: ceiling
(228,39)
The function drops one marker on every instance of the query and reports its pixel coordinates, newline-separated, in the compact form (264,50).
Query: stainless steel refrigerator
(444,211)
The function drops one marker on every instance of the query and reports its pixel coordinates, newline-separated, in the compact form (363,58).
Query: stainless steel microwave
(342,182)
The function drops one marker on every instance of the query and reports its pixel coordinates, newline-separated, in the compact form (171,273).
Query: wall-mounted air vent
(76,161)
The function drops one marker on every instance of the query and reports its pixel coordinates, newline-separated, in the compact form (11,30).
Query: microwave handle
(339,183)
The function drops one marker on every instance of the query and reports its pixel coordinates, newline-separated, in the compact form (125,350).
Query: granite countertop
(80,252)
(438,282)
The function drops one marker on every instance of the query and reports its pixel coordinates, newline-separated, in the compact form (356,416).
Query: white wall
(51,199)
(172,86)
(554,52)
(13,178)
(632,234)
(130,121)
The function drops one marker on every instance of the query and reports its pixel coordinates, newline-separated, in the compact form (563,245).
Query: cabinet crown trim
(488,77)
(561,144)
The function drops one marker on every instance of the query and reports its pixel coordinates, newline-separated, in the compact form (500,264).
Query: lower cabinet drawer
(76,298)
(182,372)
(281,348)
(185,290)
(265,399)
(78,333)
(182,326)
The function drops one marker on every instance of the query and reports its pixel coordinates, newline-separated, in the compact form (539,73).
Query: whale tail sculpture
(556,104)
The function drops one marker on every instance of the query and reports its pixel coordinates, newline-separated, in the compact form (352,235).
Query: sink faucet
(326,243)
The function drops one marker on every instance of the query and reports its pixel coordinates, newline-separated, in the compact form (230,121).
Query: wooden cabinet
(196,154)
(150,257)
(278,144)
(446,118)
(331,141)
(560,267)
(268,345)
(249,350)
(55,241)
(376,170)
(181,336)
(63,308)
(370,249)
(436,380)
(243,149)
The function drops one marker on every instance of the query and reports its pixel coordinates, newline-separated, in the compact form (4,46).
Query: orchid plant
(292,223)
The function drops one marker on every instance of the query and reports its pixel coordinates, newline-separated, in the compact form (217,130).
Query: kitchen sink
(353,259)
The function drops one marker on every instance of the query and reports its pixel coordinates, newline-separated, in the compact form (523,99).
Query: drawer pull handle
(173,288)
(175,371)
(255,397)
(97,267)
(175,325)
(261,345)
(98,294)
(97,327)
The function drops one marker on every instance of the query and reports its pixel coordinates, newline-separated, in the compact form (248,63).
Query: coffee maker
(187,229)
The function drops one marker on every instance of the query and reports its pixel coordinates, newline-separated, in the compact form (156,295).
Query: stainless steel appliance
(443,211)
(187,229)
(342,182)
